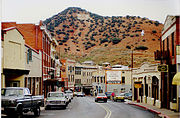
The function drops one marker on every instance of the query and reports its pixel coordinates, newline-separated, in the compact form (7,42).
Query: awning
(176,79)
(16,71)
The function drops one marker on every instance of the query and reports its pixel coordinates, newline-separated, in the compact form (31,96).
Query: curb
(151,110)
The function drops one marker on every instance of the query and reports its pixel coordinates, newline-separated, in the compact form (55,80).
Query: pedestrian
(112,96)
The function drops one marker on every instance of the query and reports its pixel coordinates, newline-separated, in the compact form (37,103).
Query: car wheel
(37,111)
(47,107)
(19,113)
(65,106)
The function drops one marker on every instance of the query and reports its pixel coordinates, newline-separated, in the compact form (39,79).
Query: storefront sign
(163,68)
(114,77)
(137,85)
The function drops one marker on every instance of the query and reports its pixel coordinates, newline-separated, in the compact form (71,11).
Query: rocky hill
(83,35)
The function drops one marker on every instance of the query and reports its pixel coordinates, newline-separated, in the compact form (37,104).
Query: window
(68,78)
(84,73)
(77,70)
(101,79)
(72,77)
(123,80)
(29,55)
(172,43)
(167,43)
(163,45)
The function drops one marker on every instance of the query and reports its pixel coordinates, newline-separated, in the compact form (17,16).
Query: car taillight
(99,97)
(105,97)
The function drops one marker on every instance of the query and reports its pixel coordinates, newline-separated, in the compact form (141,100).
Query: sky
(32,11)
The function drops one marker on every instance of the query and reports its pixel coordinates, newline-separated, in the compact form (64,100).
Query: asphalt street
(86,107)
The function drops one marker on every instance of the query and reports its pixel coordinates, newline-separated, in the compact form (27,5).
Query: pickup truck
(18,100)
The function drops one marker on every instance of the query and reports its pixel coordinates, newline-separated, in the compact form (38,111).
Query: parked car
(80,94)
(69,93)
(16,100)
(108,94)
(128,96)
(56,99)
(120,96)
(68,98)
(101,97)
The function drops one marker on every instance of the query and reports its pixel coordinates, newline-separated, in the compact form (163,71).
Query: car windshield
(120,94)
(12,92)
(128,94)
(108,93)
(68,91)
(101,94)
(55,95)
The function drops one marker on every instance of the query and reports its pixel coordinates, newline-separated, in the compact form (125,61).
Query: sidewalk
(164,113)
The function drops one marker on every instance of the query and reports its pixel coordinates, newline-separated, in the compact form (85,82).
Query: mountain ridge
(83,35)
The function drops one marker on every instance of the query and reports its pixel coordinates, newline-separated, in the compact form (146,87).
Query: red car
(101,97)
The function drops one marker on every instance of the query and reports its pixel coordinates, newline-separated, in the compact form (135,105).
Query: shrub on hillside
(154,31)
(143,40)
(141,48)
(79,34)
(115,40)
(103,40)
(156,23)
(105,45)
(60,43)
(128,47)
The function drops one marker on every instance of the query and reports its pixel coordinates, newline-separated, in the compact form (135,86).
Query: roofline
(32,48)
(11,28)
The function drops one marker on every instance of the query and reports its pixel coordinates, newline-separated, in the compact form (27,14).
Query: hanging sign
(163,68)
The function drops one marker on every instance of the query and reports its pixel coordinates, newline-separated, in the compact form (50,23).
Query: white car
(56,99)
(68,98)
(69,93)
(80,94)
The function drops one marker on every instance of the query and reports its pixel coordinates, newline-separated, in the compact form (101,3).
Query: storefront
(146,84)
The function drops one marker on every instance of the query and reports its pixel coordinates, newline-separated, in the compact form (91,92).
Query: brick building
(167,56)
(38,38)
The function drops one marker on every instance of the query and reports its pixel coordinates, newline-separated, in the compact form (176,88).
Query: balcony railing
(161,55)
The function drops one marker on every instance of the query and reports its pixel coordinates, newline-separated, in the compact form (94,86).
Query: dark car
(18,100)
(101,97)
(108,94)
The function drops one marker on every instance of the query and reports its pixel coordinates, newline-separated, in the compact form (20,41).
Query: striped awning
(176,79)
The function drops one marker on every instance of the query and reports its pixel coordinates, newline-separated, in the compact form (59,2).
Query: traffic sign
(163,68)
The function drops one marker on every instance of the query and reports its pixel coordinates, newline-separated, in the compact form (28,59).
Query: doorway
(155,88)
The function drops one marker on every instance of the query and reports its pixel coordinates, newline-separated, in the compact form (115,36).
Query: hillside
(83,35)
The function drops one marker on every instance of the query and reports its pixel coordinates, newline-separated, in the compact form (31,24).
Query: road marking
(108,115)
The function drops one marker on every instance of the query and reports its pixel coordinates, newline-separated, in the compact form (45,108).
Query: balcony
(161,55)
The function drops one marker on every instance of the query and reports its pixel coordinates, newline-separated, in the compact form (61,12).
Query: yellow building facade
(13,58)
